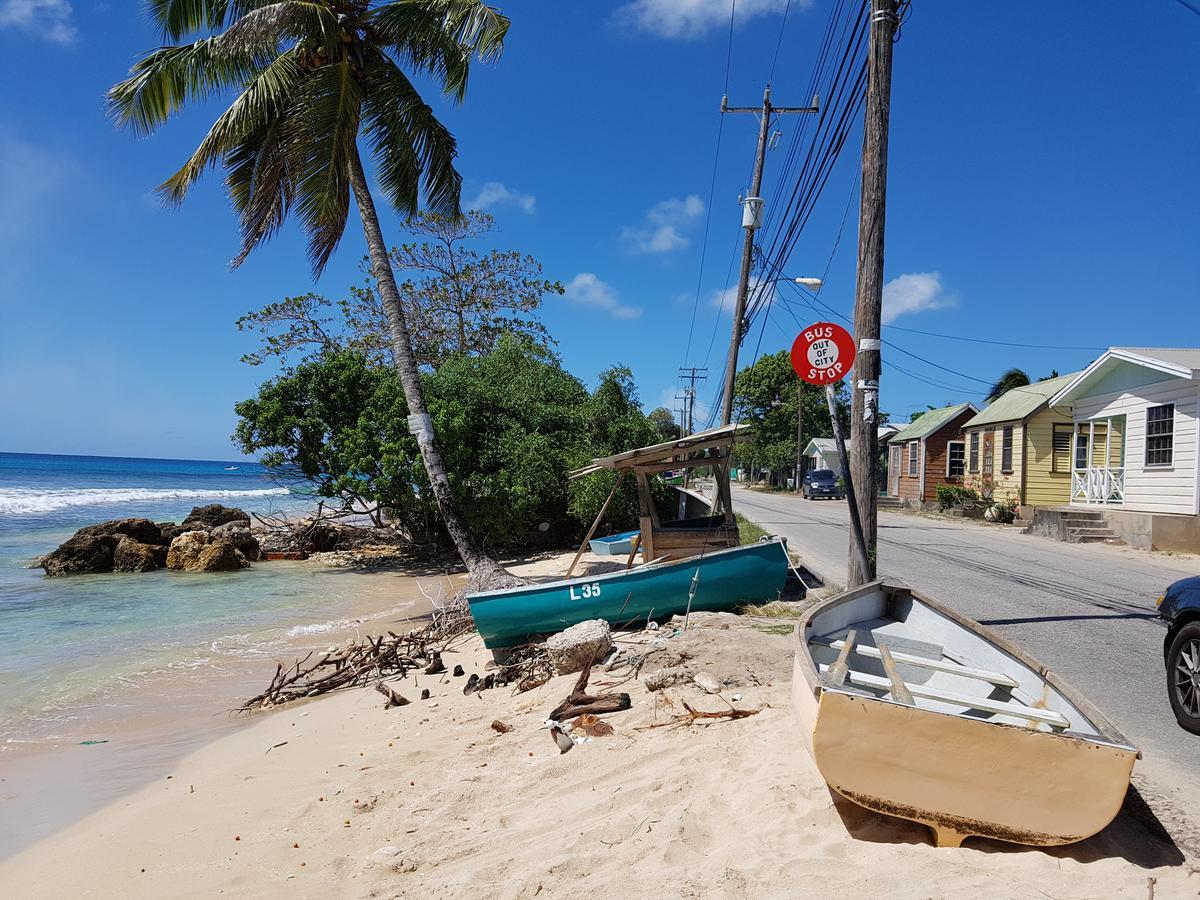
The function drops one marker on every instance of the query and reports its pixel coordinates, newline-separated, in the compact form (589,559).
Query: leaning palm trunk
(485,573)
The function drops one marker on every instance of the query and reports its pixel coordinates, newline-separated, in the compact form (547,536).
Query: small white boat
(918,712)
(232,468)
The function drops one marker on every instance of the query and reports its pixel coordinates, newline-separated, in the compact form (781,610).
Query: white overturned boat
(918,712)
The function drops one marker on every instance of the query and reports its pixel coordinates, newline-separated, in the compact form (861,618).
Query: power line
(779,41)
(1187,5)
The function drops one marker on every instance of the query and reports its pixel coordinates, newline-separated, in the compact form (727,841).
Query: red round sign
(823,353)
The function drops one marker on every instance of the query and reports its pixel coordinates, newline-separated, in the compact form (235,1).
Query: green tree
(663,421)
(310,78)
(460,301)
(1013,378)
(765,396)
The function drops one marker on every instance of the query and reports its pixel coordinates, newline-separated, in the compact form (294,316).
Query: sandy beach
(339,796)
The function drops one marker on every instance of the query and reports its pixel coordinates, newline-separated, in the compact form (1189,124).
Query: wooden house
(928,452)
(1019,447)
(1134,449)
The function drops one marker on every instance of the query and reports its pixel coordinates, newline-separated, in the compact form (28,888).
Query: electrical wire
(779,41)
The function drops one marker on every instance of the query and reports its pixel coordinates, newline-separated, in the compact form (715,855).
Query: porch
(1097,461)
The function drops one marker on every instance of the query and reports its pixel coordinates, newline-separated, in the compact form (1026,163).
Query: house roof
(1181,362)
(821,445)
(1018,404)
(713,439)
(929,422)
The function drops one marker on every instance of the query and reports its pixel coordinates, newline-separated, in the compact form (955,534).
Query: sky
(1042,190)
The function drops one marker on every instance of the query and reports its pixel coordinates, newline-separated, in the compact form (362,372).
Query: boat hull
(964,777)
(725,579)
(961,775)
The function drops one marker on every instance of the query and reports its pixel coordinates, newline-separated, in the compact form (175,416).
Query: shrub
(951,495)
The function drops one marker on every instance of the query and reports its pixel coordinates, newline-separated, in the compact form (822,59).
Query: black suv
(822,483)
(1180,609)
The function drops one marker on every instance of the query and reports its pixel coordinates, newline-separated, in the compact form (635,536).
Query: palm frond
(274,23)
(439,37)
(164,80)
(179,19)
(261,182)
(259,104)
(407,139)
(326,115)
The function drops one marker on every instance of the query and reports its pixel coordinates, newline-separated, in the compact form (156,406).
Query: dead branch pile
(362,662)
(691,715)
(579,702)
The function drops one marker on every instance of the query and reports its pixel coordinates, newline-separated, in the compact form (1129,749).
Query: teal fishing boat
(723,580)
(692,563)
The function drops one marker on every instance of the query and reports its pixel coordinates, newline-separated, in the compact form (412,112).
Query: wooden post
(637,539)
(863,558)
(592,530)
(868,300)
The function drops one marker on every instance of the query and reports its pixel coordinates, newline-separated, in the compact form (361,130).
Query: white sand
(734,809)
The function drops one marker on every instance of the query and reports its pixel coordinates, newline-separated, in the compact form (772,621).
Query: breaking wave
(23,501)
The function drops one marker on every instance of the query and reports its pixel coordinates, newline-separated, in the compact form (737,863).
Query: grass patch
(773,629)
(750,532)
(776,609)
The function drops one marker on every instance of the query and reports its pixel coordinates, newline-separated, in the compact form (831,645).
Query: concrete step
(1085,535)
(888,502)
(1083,517)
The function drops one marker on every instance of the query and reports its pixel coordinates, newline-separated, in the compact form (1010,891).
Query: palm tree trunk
(485,573)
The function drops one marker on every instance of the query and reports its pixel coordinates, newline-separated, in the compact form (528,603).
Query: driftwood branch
(579,702)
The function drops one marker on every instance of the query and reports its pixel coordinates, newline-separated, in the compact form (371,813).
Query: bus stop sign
(823,353)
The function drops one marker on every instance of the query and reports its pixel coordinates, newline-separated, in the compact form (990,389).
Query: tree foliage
(664,423)
(768,396)
(1013,378)
(457,300)
(513,424)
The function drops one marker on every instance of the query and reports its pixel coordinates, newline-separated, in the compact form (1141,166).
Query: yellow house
(1019,447)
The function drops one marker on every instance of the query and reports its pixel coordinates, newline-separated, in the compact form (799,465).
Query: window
(1006,450)
(1060,451)
(955,451)
(912,459)
(1081,450)
(1160,435)
(974,451)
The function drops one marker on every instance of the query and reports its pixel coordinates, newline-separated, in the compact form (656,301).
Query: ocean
(149,663)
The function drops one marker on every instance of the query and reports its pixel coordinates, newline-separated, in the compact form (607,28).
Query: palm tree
(1013,378)
(309,78)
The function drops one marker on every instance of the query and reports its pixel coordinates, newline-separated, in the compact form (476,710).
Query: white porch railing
(1098,484)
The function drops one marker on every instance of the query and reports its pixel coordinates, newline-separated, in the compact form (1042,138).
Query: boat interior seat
(871,631)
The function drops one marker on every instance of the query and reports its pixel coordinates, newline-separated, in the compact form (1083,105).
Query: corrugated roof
(823,445)
(1019,403)
(928,423)
(1187,357)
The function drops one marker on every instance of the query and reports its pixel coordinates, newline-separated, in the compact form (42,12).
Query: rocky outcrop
(579,646)
(132,555)
(213,515)
(139,545)
(241,537)
(199,551)
(141,530)
(81,554)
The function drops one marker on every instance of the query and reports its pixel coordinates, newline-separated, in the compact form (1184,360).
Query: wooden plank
(646,498)
(983,704)
(637,539)
(839,670)
(900,691)
(592,530)
(938,665)
(647,536)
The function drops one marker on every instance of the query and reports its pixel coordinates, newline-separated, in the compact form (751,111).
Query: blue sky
(1043,190)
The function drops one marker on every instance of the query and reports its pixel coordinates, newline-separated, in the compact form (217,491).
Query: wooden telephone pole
(868,299)
(751,219)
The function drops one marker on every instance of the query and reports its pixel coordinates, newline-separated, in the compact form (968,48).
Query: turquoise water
(73,643)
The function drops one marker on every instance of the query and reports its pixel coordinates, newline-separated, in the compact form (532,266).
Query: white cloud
(693,18)
(913,293)
(495,193)
(662,230)
(48,19)
(588,290)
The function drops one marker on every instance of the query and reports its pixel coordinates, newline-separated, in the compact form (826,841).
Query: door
(894,472)
(989,458)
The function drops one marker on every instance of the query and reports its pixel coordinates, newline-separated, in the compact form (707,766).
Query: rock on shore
(212,538)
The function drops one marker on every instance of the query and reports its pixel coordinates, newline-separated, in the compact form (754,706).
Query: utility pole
(690,374)
(868,298)
(752,207)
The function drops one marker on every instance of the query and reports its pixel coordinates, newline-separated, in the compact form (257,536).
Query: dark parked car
(1180,609)
(822,483)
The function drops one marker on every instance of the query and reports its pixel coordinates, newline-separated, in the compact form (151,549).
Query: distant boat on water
(232,468)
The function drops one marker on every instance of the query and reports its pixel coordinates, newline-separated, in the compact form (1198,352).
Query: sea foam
(24,501)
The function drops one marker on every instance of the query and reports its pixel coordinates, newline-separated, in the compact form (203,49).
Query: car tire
(1183,661)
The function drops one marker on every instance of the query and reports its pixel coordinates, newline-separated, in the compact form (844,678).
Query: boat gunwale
(623,573)
(1108,734)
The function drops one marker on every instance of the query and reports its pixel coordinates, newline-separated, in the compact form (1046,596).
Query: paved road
(1087,611)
